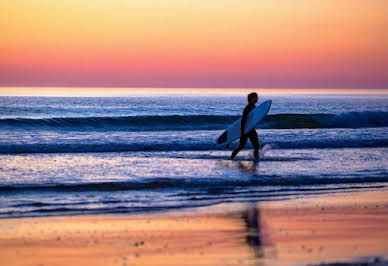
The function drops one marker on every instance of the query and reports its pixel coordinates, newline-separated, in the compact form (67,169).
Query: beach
(344,227)
(193,133)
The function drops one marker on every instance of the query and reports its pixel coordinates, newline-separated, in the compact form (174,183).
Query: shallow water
(145,181)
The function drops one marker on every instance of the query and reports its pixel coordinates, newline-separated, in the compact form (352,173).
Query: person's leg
(243,141)
(255,142)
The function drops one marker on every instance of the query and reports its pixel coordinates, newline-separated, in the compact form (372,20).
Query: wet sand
(344,227)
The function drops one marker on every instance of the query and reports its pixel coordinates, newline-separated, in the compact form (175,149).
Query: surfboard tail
(223,138)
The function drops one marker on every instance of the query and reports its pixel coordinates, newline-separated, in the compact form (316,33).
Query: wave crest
(199,122)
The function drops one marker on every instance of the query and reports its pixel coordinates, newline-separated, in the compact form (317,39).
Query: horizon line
(123,91)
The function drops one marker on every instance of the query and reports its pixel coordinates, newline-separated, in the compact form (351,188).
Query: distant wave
(198,122)
(343,120)
(181,146)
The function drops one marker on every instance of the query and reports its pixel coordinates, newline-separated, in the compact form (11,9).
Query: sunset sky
(194,43)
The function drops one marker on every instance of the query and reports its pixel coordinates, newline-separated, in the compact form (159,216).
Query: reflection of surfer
(252,221)
(252,135)
(255,227)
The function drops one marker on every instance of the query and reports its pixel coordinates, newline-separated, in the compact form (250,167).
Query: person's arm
(243,120)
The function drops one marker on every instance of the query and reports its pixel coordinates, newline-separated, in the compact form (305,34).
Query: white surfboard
(233,132)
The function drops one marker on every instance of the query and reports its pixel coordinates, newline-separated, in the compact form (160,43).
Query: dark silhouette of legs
(255,143)
(252,135)
(243,141)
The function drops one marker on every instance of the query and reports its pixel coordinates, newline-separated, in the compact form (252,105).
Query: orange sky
(194,43)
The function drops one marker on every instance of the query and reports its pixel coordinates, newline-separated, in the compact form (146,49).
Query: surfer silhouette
(252,135)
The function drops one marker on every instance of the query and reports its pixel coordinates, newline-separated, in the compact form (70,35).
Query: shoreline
(329,228)
(226,206)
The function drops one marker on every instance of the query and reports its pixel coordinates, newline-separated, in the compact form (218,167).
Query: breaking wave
(198,122)
(201,183)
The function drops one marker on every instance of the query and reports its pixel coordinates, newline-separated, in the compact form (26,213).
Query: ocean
(142,153)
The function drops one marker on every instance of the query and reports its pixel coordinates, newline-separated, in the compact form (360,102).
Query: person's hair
(251,96)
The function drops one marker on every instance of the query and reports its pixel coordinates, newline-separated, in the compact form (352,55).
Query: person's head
(252,98)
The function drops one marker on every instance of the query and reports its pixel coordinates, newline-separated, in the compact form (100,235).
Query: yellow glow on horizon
(114,92)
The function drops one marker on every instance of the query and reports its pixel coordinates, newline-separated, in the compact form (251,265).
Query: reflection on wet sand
(256,236)
(251,218)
